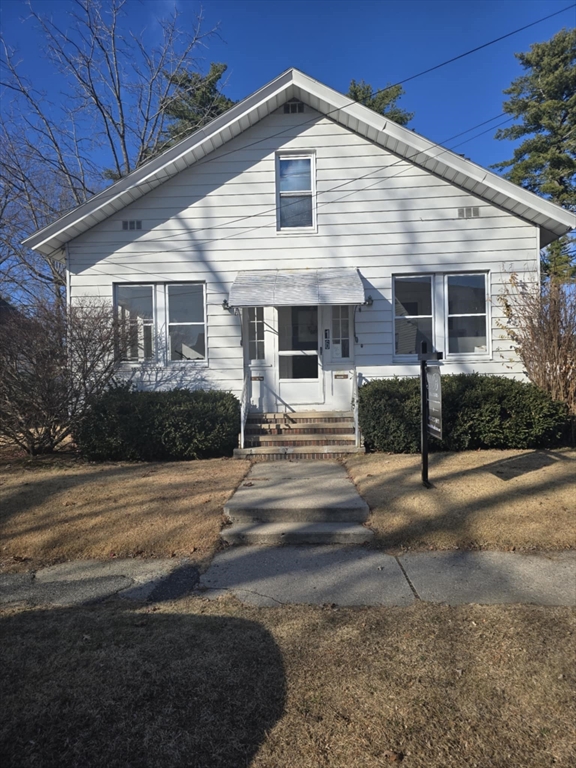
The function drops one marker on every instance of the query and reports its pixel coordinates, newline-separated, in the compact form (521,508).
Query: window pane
(186,303)
(467,334)
(295,175)
(187,342)
(256,333)
(296,211)
(136,300)
(297,328)
(135,315)
(466,294)
(411,333)
(413,295)
(299,367)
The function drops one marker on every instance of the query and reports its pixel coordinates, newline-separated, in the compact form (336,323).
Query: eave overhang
(552,220)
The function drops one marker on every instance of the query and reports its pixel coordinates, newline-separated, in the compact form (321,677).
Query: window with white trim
(161,322)
(256,333)
(447,312)
(340,332)
(135,311)
(413,317)
(466,314)
(295,187)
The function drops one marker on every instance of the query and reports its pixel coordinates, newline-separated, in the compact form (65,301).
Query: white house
(300,242)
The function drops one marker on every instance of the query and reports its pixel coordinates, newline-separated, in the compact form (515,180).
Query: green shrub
(126,425)
(478,411)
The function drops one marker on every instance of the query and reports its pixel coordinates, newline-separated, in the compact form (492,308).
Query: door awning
(296,287)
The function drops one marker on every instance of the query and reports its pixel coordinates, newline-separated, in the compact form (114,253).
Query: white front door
(300,357)
(299,369)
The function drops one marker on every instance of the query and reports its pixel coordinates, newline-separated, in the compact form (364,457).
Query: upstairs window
(295,189)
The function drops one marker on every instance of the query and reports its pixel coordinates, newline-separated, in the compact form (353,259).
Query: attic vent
(291,107)
(469,213)
(132,224)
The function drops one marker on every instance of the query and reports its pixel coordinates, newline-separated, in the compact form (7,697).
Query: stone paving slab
(317,575)
(84,581)
(492,577)
(294,487)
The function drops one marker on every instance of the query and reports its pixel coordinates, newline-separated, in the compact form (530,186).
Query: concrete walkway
(342,576)
(316,575)
(80,582)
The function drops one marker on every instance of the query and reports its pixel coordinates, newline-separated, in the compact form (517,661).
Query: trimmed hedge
(478,411)
(127,425)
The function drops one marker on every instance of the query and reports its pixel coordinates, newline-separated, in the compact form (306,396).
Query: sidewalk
(316,575)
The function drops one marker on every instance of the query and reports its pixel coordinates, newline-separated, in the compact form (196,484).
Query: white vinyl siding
(220,216)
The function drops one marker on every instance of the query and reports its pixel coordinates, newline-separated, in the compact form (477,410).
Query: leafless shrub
(52,362)
(540,319)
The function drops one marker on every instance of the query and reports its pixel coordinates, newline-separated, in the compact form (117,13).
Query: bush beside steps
(177,425)
(479,411)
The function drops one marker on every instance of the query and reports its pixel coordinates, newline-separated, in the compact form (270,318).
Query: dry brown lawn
(220,685)
(483,499)
(60,509)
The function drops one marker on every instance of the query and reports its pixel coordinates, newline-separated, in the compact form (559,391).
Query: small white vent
(469,213)
(132,224)
(292,107)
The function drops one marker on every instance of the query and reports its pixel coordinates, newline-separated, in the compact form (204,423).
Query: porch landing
(301,435)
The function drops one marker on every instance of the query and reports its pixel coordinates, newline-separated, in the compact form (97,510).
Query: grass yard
(219,685)
(57,509)
(483,499)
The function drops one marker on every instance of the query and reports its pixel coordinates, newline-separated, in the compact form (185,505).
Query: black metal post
(424,425)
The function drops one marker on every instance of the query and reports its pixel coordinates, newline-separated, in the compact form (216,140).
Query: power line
(352,102)
(273,210)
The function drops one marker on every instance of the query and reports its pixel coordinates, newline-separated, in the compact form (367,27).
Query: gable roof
(552,220)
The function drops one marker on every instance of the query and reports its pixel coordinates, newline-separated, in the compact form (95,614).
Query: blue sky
(380,41)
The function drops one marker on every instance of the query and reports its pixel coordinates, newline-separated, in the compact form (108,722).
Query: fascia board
(382,131)
(423,150)
(158,170)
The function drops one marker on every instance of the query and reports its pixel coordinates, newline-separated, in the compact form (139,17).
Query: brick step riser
(287,443)
(297,457)
(297,422)
(299,431)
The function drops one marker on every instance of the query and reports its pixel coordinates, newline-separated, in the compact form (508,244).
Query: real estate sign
(434,401)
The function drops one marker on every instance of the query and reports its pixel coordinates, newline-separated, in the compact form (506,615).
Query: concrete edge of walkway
(312,575)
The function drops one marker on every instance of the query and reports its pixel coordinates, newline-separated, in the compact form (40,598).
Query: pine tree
(543,100)
(196,100)
(383,102)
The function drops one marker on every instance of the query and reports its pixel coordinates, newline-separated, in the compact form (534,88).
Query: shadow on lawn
(450,513)
(104,686)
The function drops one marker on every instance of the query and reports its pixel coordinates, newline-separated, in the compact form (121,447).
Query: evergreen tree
(543,100)
(196,100)
(382,102)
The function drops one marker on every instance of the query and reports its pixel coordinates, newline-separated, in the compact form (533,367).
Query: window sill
(297,231)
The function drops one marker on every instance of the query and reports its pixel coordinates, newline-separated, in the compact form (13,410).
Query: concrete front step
(346,513)
(276,453)
(273,534)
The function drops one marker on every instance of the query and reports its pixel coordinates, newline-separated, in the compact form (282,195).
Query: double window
(161,322)
(446,312)
(295,186)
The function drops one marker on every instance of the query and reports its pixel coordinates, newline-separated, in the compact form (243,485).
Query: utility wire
(371,172)
(273,210)
(352,102)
